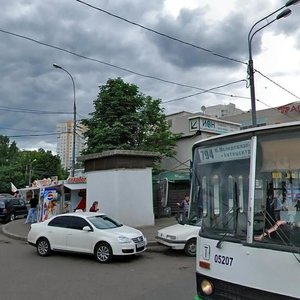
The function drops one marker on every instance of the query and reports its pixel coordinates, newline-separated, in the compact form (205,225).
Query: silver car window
(78,223)
(104,222)
(61,221)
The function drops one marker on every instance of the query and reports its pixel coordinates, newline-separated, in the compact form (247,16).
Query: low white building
(121,181)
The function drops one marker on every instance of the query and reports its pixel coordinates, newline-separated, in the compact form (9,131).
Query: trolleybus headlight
(207,287)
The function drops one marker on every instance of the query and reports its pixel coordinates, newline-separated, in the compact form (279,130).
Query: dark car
(11,208)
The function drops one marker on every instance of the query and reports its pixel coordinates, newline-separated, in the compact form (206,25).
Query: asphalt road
(159,274)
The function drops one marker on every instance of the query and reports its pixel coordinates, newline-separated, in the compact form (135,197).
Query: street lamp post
(74,119)
(283,14)
(30,171)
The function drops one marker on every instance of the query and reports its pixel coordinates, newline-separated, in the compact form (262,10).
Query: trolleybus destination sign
(232,151)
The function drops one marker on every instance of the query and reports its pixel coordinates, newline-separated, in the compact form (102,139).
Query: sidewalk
(18,230)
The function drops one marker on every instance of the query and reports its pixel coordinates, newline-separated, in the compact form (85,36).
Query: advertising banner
(48,204)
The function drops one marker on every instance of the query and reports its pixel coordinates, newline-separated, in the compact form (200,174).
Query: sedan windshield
(104,222)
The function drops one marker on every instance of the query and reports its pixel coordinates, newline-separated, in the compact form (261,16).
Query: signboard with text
(74,180)
(212,125)
(228,152)
(289,108)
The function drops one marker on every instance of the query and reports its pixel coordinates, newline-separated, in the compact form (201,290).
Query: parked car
(86,232)
(180,236)
(12,208)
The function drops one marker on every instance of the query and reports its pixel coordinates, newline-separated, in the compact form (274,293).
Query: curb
(12,235)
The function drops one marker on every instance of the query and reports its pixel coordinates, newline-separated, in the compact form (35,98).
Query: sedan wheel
(12,216)
(190,247)
(103,253)
(43,247)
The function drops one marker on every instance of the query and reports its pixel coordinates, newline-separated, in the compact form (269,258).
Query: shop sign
(74,180)
(285,109)
(45,182)
(212,125)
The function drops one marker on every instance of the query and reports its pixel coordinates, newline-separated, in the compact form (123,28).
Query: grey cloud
(28,79)
(227,38)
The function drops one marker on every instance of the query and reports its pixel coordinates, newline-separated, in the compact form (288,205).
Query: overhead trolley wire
(25,110)
(160,33)
(180,41)
(205,91)
(106,63)
(144,75)
(266,77)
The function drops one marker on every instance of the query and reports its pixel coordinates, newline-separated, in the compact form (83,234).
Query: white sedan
(86,232)
(180,237)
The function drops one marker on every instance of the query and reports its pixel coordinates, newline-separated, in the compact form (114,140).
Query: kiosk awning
(75,186)
(172,176)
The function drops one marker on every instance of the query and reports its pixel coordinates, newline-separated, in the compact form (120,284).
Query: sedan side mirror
(87,228)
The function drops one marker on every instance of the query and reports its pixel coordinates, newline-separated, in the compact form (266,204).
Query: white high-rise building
(65,142)
(221,110)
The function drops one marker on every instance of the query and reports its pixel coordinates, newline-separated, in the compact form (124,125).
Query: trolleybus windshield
(220,187)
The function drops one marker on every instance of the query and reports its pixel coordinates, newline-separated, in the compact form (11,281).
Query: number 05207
(223,260)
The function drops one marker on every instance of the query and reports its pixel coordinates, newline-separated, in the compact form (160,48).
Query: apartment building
(221,110)
(65,142)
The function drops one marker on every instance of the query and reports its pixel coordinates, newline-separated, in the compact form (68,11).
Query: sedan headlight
(124,239)
(171,237)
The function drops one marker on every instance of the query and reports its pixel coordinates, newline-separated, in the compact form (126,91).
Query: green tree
(8,168)
(8,151)
(15,164)
(45,164)
(126,119)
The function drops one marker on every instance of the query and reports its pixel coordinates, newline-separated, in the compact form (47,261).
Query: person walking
(183,209)
(32,212)
(94,207)
(185,204)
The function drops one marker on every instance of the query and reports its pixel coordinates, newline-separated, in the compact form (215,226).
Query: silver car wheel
(43,247)
(103,253)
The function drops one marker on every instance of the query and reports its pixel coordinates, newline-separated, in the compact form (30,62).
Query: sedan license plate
(140,245)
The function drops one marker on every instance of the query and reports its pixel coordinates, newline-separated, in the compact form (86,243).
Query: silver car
(86,232)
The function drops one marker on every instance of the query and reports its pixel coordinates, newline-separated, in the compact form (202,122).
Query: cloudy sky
(171,49)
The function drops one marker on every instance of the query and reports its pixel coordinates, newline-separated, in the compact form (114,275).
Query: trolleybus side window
(278,190)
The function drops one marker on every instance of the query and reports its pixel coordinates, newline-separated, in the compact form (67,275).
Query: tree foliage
(15,165)
(126,119)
